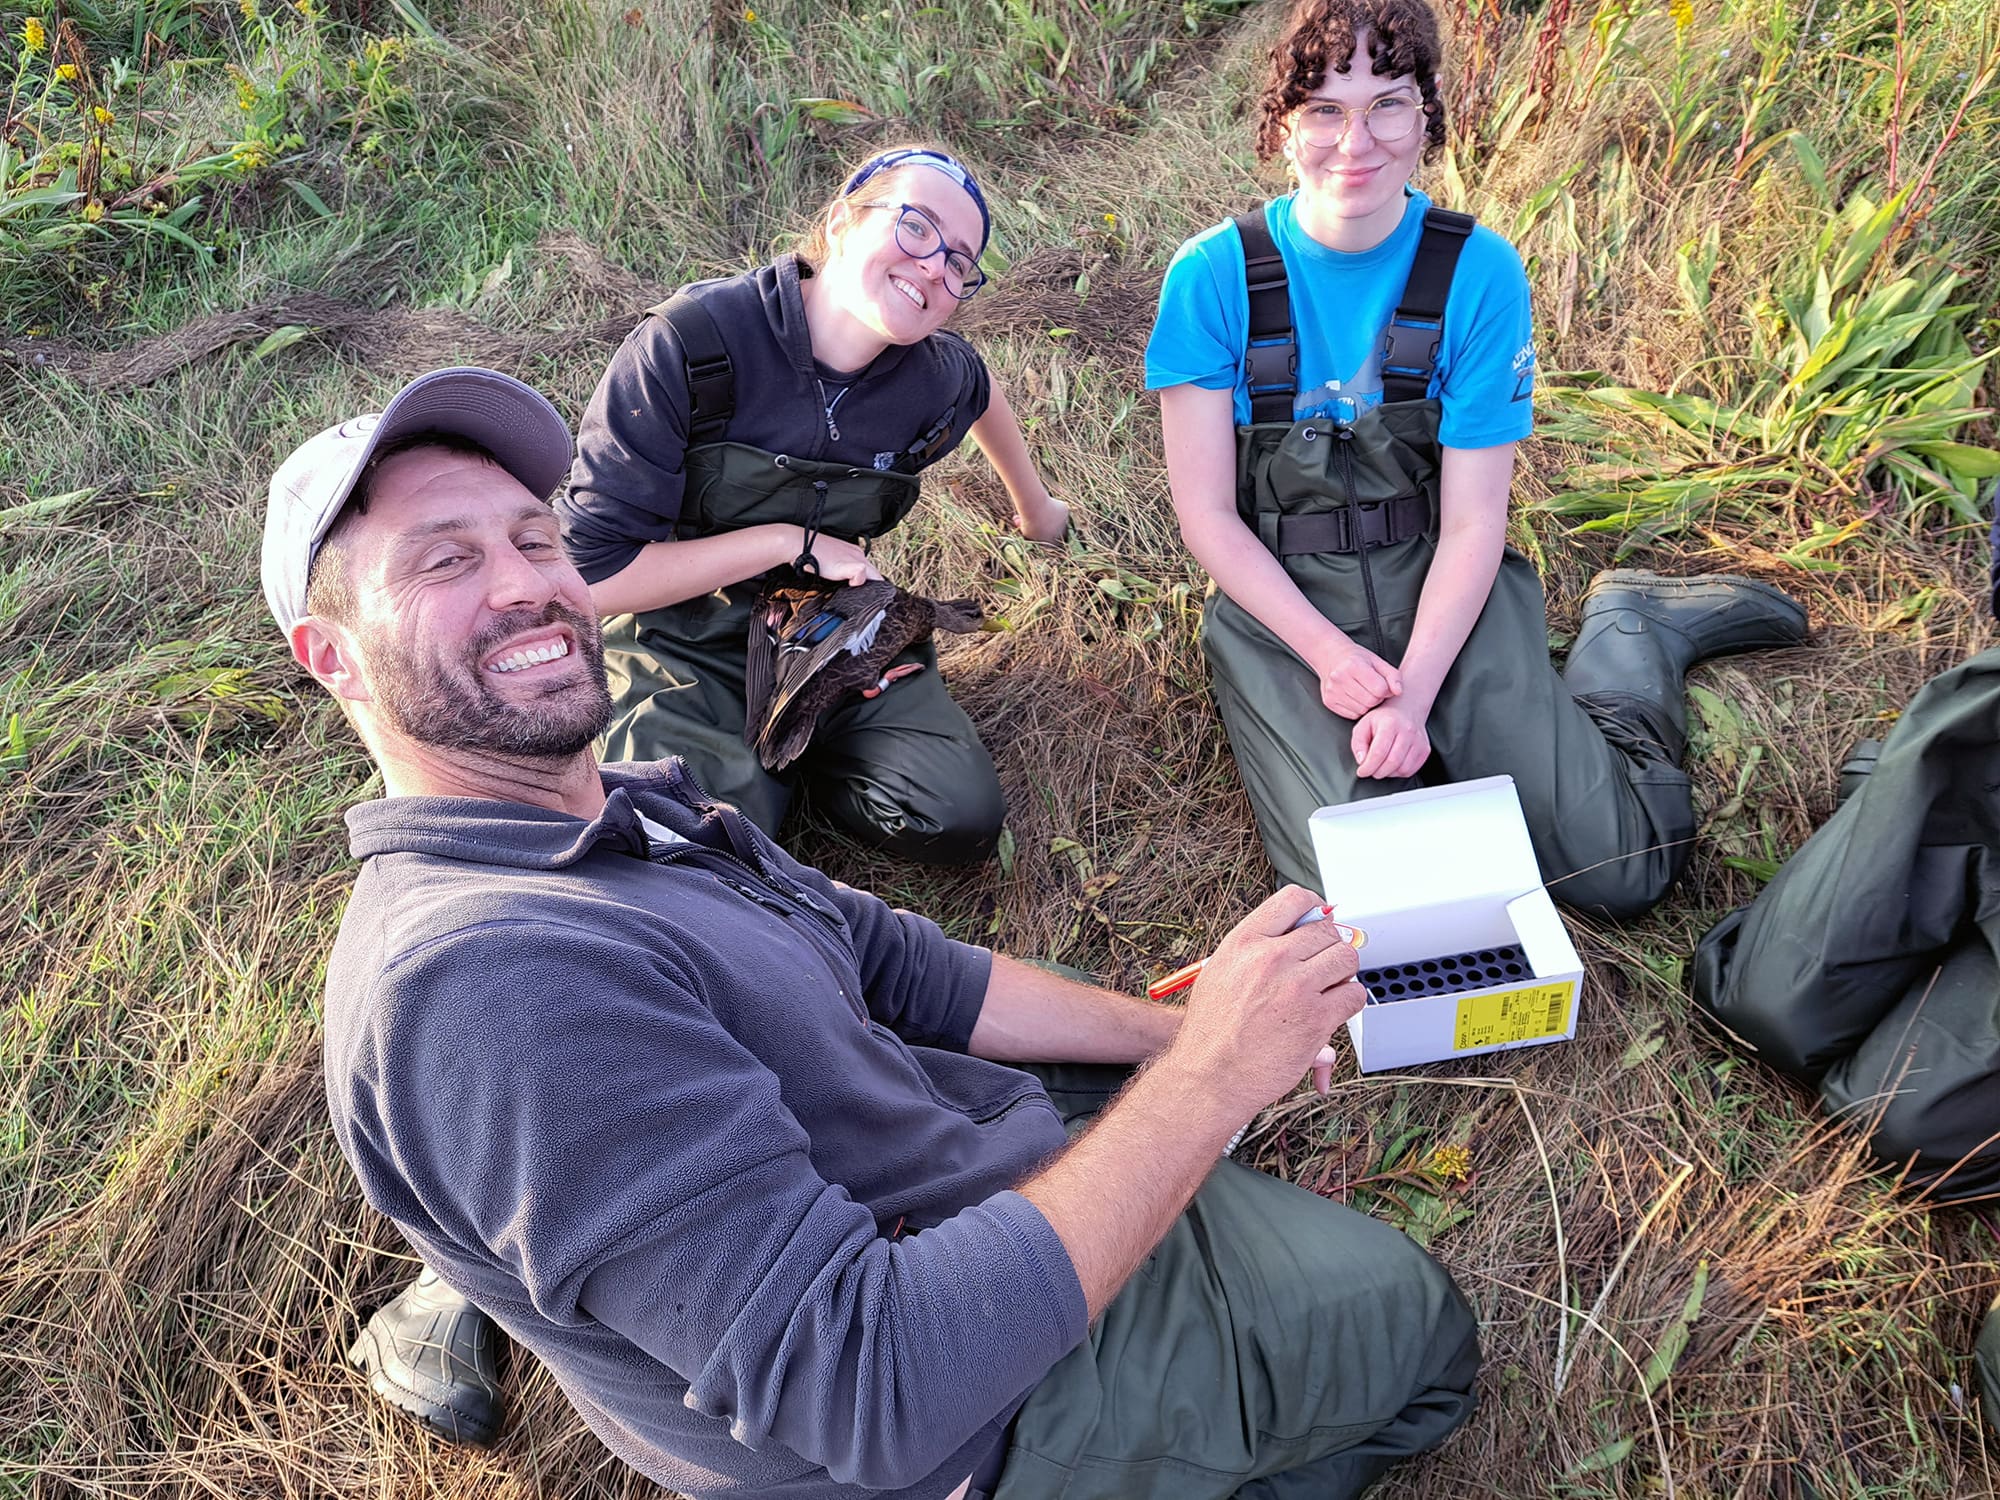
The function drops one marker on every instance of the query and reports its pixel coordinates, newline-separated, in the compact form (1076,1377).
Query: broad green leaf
(311,199)
(835,111)
(1963,458)
(282,338)
(1608,1457)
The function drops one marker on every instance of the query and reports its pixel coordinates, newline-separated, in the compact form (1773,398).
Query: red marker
(1180,979)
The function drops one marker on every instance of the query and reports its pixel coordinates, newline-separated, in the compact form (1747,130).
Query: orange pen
(1180,979)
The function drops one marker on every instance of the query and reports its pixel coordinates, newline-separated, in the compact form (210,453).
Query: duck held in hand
(811,649)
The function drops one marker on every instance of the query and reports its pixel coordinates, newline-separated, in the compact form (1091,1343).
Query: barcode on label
(1532,1013)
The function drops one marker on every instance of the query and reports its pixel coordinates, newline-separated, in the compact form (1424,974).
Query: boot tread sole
(437,1417)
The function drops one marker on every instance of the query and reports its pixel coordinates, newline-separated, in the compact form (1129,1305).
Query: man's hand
(1266,1002)
(1390,740)
(1259,1016)
(1353,679)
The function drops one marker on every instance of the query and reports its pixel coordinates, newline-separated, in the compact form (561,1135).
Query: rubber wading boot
(1854,770)
(1640,632)
(431,1353)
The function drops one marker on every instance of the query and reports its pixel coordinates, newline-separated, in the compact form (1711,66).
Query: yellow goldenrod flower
(249,9)
(102,115)
(1112,220)
(93,211)
(749,18)
(305,8)
(1450,1163)
(34,35)
(66,73)
(1683,13)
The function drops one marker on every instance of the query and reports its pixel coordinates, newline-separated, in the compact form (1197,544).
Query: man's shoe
(431,1353)
(1860,762)
(1641,631)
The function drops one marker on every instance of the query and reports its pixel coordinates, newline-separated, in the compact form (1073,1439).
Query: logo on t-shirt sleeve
(1524,371)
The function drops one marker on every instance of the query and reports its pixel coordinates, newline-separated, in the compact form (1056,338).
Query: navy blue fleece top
(696,1125)
(631,448)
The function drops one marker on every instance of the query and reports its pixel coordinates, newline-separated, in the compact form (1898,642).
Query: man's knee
(1358,1284)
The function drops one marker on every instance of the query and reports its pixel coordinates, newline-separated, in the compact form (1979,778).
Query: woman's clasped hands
(1389,736)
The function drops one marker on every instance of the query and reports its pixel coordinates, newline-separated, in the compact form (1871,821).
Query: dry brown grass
(183,1253)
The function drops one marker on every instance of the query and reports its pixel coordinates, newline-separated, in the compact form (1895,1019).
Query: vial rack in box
(1450,975)
(1447,870)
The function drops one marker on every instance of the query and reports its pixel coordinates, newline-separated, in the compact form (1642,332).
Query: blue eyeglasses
(937,161)
(920,237)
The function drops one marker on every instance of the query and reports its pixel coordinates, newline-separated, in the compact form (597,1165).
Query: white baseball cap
(512,421)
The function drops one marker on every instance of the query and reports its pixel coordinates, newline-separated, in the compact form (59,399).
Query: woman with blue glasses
(766,426)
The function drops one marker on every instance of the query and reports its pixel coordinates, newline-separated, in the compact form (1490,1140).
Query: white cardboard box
(1442,871)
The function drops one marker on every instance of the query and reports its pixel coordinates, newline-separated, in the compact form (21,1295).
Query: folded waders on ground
(904,771)
(1274,1345)
(1986,1362)
(1350,511)
(1870,966)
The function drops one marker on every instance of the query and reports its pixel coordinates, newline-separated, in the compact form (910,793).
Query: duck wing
(760,662)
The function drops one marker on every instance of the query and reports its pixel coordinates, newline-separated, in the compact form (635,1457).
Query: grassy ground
(1688,1284)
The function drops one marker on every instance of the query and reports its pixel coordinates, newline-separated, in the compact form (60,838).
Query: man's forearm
(1118,1188)
(1032,1014)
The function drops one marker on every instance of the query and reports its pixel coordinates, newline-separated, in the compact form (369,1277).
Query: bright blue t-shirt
(1341,305)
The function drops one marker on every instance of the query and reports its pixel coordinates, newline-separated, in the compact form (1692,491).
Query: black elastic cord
(805,562)
(1346,437)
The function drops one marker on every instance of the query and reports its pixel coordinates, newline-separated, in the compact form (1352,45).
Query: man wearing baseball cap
(736,1151)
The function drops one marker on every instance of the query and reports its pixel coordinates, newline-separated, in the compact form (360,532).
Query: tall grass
(1771,301)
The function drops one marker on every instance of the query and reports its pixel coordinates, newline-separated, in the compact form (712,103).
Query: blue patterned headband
(937,161)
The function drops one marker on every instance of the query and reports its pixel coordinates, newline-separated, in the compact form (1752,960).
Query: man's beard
(422,695)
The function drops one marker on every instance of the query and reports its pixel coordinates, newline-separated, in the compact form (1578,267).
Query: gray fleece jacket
(696,1125)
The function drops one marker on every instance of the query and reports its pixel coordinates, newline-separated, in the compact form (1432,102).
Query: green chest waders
(905,770)
(1350,510)
(1869,967)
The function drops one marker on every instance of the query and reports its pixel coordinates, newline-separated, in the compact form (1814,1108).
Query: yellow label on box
(1525,1015)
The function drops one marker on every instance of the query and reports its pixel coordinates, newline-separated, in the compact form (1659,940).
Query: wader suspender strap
(1409,353)
(711,379)
(1410,350)
(1409,358)
(1271,359)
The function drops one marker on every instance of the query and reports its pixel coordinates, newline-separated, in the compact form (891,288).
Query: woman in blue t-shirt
(1344,376)
(767,425)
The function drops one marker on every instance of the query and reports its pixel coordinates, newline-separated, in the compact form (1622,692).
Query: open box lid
(1435,847)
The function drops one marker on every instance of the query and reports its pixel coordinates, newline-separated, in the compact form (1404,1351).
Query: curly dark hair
(1320,35)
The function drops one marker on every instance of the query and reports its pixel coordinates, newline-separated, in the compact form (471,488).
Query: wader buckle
(1271,367)
(1383,523)
(1411,350)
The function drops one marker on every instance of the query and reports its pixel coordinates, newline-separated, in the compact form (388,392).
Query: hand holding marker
(1184,978)
(1180,979)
